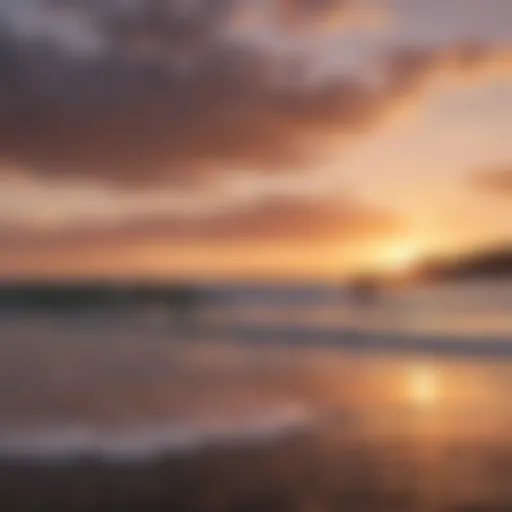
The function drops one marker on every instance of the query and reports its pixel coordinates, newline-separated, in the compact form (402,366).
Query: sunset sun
(400,256)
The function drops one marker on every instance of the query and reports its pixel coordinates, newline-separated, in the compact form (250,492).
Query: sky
(250,138)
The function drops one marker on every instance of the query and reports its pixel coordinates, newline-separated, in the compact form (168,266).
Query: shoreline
(321,469)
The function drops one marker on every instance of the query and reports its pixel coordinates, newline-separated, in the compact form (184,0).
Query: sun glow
(400,257)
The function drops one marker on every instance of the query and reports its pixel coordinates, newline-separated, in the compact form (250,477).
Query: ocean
(267,398)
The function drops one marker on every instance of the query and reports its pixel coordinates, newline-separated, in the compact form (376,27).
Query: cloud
(283,235)
(277,219)
(144,92)
(494,181)
(306,14)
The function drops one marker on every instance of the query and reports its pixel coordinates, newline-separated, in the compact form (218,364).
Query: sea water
(127,383)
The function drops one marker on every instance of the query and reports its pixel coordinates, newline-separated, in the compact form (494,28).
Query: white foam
(67,442)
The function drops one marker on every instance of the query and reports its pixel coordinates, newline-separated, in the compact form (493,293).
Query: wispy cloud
(496,181)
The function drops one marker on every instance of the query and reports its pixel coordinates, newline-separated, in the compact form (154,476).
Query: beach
(97,418)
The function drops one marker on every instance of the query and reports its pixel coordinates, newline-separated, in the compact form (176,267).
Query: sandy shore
(320,470)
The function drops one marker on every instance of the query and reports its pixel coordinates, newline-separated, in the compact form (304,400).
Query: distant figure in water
(364,292)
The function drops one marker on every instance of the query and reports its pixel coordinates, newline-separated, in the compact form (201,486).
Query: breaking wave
(144,442)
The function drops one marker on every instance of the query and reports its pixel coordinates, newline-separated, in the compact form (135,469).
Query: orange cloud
(327,14)
(496,181)
(284,235)
(282,219)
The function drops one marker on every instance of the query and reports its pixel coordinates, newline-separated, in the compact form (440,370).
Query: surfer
(364,291)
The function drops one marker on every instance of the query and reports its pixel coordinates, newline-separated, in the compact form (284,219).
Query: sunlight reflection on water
(436,431)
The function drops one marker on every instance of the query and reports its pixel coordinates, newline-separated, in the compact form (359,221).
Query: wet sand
(320,470)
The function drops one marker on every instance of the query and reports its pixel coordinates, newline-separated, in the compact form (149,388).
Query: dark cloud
(494,181)
(163,94)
